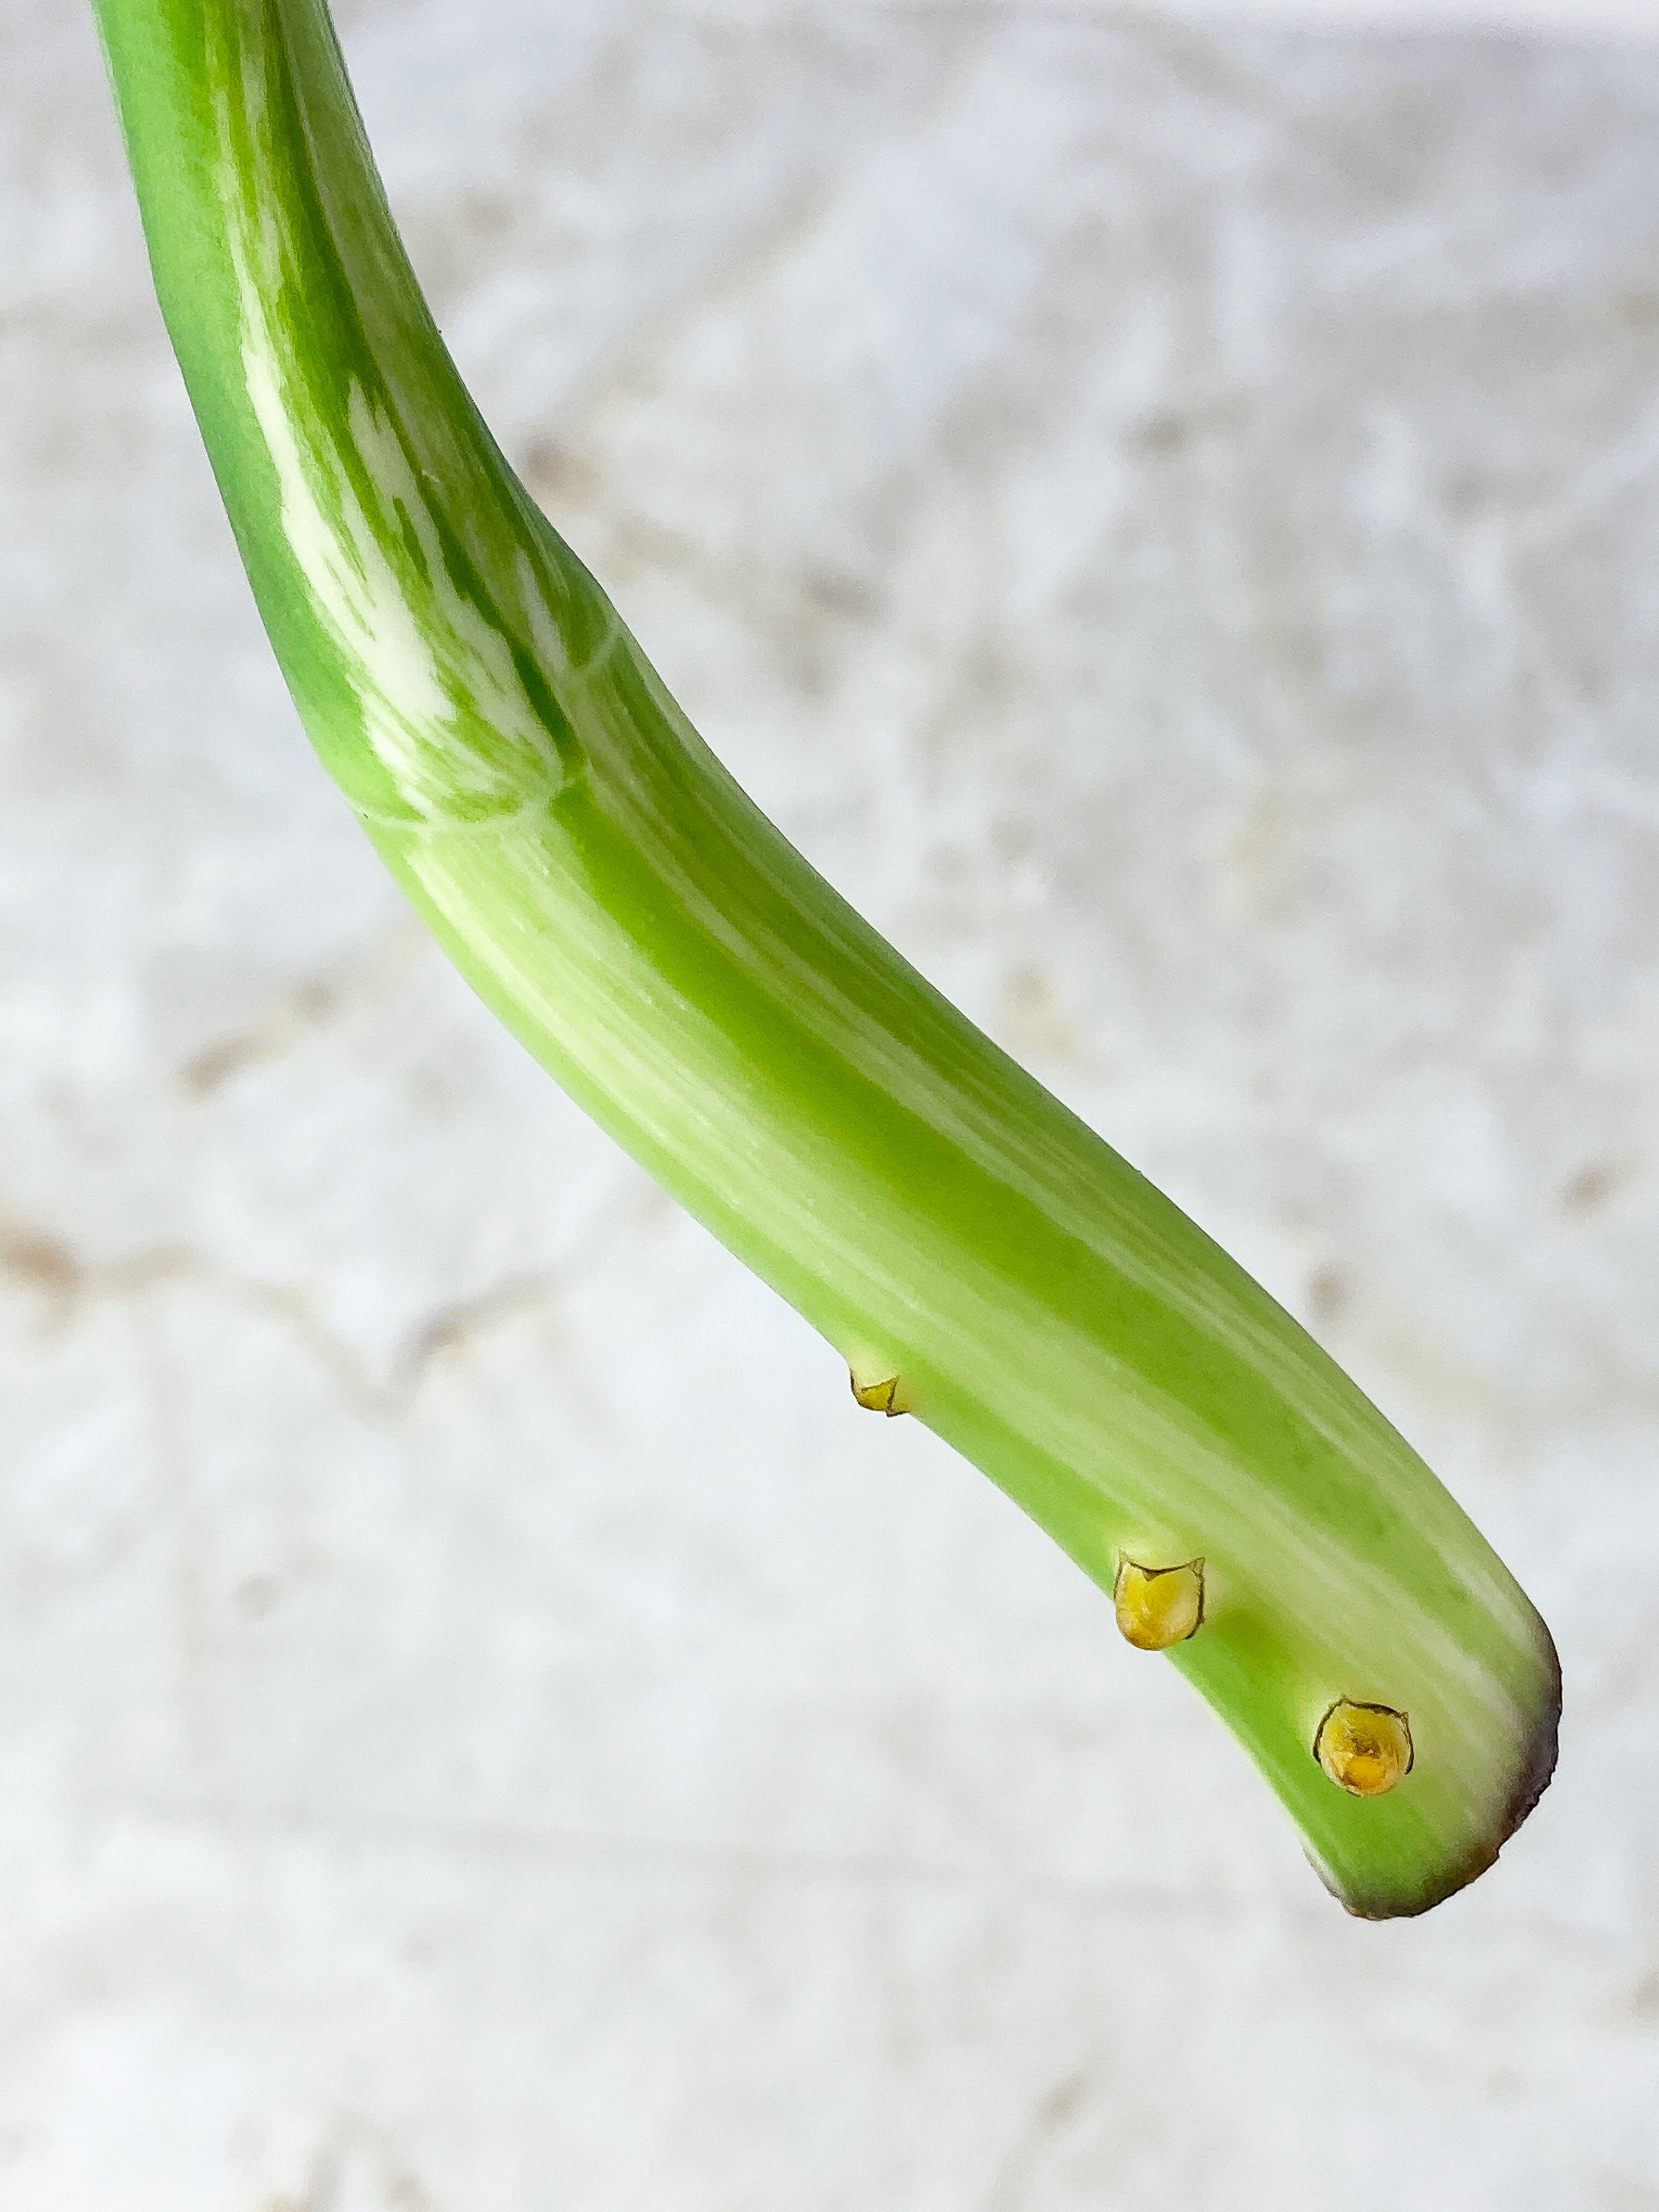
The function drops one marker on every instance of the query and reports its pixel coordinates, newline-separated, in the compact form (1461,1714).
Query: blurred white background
(1166,514)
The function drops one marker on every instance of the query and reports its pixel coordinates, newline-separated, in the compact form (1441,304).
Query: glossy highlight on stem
(610,892)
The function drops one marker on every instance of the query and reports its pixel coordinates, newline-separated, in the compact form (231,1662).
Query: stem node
(1365,1749)
(883,1393)
(1158,1607)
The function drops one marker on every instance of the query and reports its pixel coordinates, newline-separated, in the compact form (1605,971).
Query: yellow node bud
(1157,1606)
(1367,1750)
(883,1393)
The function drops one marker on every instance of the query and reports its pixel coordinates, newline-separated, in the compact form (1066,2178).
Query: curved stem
(977,1255)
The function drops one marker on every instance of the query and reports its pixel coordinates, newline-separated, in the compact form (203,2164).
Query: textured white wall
(1628,19)
(1167,518)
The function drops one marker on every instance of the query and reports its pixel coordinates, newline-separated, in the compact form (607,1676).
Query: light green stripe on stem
(610,892)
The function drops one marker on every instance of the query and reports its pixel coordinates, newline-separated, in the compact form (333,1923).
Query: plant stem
(610,892)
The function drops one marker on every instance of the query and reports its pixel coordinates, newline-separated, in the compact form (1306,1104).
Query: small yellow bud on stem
(880,1393)
(1367,1749)
(1157,1606)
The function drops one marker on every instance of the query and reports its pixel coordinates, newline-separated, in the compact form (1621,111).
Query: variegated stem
(961,1239)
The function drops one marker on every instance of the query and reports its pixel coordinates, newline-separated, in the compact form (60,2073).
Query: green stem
(607,889)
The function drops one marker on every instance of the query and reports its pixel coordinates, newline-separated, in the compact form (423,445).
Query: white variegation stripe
(445,714)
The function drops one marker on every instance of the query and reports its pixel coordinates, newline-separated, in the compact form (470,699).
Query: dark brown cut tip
(1534,1778)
